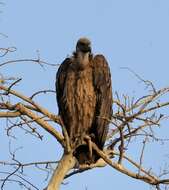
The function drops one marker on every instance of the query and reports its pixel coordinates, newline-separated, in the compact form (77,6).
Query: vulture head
(83,45)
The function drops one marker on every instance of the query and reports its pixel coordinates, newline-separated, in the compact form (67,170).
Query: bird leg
(89,142)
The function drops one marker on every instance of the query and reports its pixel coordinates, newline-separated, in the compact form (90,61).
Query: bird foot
(89,142)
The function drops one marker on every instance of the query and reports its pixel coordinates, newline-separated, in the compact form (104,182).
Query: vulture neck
(83,59)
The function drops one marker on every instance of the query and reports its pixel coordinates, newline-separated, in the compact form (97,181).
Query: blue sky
(132,33)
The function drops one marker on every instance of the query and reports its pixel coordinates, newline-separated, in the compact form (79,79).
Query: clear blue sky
(130,33)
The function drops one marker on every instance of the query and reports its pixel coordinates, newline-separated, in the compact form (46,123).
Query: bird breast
(81,98)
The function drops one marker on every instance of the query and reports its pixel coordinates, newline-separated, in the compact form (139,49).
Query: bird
(84,97)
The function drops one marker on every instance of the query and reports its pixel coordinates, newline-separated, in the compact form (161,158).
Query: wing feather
(60,83)
(103,90)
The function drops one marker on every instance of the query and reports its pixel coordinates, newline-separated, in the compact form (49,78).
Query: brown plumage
(84,96)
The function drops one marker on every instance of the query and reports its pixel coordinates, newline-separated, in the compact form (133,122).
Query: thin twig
(27,60)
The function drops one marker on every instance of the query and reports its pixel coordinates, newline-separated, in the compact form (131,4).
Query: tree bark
(66,163)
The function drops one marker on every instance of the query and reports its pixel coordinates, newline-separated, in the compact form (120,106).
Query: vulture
(84,97)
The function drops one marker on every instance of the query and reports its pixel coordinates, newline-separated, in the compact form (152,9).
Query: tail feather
(83,156)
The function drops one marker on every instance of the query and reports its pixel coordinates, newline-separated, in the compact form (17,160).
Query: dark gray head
(83,45)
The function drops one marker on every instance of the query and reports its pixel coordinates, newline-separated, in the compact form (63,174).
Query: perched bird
(84,96)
